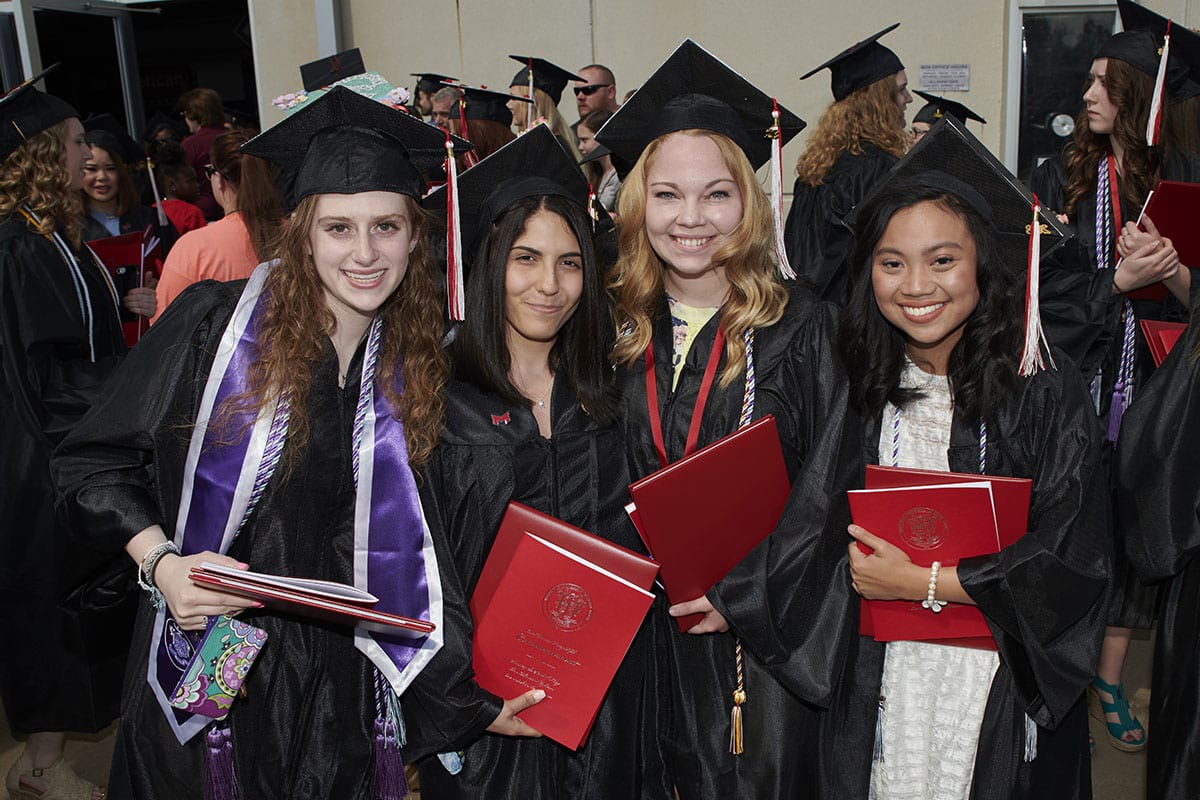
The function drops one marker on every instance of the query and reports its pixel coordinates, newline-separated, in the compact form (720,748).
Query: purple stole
(393,551)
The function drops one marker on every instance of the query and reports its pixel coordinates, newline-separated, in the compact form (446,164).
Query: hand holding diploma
(713,621)
(887,573)
(507,723)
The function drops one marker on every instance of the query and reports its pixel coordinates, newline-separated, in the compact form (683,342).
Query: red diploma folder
(701,515)
(929,523)
(1011,498)
(521,519)
(1161,337)
(1172,206)
(128,258)
(556,622)
(323,600)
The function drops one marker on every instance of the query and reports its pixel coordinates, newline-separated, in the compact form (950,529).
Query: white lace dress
(932,696)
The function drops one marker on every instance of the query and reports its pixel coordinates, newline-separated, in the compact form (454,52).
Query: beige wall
(771,42)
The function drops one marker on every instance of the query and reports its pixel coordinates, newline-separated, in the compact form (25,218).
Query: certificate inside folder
(323,600)
(703,514)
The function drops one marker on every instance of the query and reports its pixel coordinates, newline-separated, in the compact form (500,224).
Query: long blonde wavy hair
(35,174)
(296,321)
(756,298)
(870,114)
(545,108)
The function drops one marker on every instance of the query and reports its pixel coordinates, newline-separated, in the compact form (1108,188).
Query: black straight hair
(983,364)
(580,354)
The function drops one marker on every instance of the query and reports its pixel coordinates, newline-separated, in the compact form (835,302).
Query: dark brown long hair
(257,195)
(296,321)
(1129,90)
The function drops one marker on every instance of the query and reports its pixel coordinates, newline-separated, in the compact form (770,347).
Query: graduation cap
(860,65)
(550,78)
(105,132)
(937,107)
(344,143)
(158,121)
(480,103)
(598,152)
(430,82)
(325,71)
(532,165)
(26,112)
(1184,50)
(950,158)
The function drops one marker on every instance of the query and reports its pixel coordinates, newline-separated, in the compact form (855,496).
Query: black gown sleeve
(789,599)
(105,470)
(1046,596)
(1158,464)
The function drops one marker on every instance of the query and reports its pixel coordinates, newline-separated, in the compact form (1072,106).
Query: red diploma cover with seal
(552,619)
(937,516)
(703,514)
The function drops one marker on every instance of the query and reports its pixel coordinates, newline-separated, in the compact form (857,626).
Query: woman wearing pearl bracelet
(931,338)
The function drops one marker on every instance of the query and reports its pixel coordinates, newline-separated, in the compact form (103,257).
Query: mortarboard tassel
(470,158)
(591,206)
(776,137)
(221,783)
(739,699)
(455,303)
(158,198)
(532,101)
(1031,354)
(1154,123)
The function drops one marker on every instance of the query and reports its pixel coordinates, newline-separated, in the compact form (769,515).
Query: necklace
(541,401)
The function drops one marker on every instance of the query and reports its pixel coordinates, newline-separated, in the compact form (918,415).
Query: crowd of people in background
(313,392)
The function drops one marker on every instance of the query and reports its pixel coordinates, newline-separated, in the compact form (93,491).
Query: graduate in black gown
(932,342)
(1158,510)
(60,339)
(530,417)
(1092,306)
(934,109)
(272,423)
(696,267)
(858,139)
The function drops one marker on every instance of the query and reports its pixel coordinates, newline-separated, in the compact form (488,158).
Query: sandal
(1120,706)
(59,782)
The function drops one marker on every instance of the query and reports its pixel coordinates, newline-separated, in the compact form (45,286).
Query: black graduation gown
(1158,509)
(59,672)
(305,728)
(1045,599)
(579,475)
(789,599)
(1081,315)
(818,244)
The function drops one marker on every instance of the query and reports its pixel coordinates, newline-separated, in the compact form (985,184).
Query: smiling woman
(317,383)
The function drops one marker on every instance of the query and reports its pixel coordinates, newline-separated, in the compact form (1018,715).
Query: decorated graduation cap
(937,107)
(695,90)
(860,65)
(532,165)
(344,143)
(331,69)
(25,112)
(538,73)
(950,158)
(103,131)
(430,82)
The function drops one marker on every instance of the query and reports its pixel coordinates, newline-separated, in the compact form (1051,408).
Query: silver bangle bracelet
(147,567)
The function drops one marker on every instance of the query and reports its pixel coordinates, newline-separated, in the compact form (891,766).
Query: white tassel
(1154,122)
(1035,337)
(776,136)
(455,301)
(532,99)
(1030,739)
(158,198)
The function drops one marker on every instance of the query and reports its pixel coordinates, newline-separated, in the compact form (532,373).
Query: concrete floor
(1115,775)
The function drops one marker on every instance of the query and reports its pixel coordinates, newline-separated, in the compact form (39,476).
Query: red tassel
(222,779)
(1032,359)
(470,158)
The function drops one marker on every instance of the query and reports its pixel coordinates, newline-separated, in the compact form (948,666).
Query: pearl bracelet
(146,570)
(931,602)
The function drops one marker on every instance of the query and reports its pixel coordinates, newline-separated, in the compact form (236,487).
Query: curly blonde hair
(35,175)
(296,321)
(870,114)
(756,298)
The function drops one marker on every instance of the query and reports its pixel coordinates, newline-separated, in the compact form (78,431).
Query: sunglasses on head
(590,89)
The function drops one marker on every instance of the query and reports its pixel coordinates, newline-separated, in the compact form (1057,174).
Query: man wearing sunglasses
(598,90)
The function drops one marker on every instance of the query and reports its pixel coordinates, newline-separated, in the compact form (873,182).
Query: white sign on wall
(937,78)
